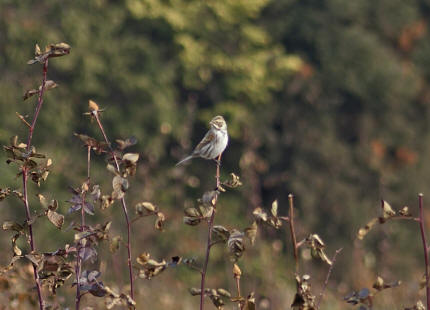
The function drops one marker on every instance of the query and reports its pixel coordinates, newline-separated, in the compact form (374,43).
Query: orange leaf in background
(410,34)
(406,156)
(306,70)
(378,148)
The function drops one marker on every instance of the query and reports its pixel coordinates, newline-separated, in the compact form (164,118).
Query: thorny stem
(209,242)
(293,234)
(333,260)
(423,237)
(123,203)
(78,267)
(25,171)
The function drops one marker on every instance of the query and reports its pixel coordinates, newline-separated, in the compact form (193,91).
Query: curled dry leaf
(220,233)
(145,208)
(387,210)
(93,106)
(52,50)
(380,284)
(235,244)
(304,299)
(55,218)
(159,222)
(315,243)
(233,182)
(150,267)
(49,84)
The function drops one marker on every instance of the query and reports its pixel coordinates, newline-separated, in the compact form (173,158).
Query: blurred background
(325,99)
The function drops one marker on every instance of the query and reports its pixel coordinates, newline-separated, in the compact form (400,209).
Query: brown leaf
(55,218)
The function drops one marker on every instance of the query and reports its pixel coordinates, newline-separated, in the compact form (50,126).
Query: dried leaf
(145,208)
(131,157)
(274,209)
(93,106)
(55,218)
(251,232)
(236,271)
(260,215)
(235,244)
(115,243)
(220,233)
(387,210)
(159,222)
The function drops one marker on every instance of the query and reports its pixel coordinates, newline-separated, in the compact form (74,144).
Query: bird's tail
(184,160)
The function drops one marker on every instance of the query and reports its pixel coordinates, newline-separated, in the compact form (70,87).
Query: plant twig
(25,171)
(78,268)
(333,260)
(209,242)
(240,303)
(123,203)
(425,246)
(293,234)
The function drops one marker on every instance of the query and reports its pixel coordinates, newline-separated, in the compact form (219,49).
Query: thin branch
(209,242)
(123,203)
(425,246)
(293,234)
(239,304)
(333,260)
(25,171)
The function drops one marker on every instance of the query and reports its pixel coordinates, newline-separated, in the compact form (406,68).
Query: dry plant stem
(124,206)
(25,181)
(209,242)
(238,291)
(333,260)
(425,246)
(293,234)
(78,268)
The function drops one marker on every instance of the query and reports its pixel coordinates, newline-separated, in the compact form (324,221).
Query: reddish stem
(293,234)
(123,203)
(333,260)
(423,237)
(25,181)
(209,242)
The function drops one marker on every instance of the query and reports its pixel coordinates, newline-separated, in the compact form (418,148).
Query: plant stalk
(209,242)
(123,203)
(293,234)
(333,260)
(78,268)
(425,246)
(25,181)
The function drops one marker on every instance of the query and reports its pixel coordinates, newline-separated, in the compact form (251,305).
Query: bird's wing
(202,147)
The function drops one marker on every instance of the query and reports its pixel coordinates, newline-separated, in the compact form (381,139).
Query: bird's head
(218,122)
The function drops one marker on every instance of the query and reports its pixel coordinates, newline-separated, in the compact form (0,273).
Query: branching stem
(209,242)
(123,203)
(25,172)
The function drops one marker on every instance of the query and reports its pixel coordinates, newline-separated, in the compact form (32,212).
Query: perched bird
(213,143)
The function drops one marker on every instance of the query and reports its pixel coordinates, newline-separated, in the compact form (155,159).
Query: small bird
(213,143)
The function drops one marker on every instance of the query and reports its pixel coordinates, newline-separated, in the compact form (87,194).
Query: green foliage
(326,99)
